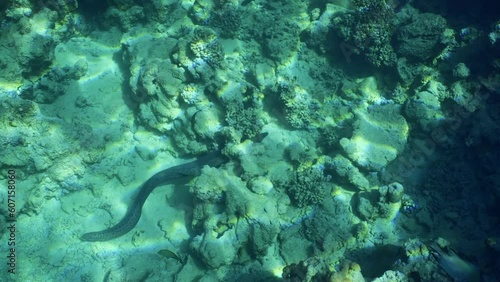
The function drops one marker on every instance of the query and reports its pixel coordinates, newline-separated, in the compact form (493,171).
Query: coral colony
(255,140)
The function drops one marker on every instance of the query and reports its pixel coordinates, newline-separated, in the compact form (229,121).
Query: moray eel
(456,267)
(133,214)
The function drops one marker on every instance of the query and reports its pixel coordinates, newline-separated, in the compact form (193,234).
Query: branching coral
(228,20)
(299,108)
(205,45)
(244,114)
(369,28)
(307,187)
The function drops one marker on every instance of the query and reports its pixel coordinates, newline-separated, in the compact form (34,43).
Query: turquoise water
(272,140)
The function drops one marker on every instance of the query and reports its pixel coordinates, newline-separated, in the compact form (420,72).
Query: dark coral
(307,187)
(369,29)
(228,21)
(419,40)
(244,119)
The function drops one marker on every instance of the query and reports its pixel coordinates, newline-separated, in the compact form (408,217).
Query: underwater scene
(250,140)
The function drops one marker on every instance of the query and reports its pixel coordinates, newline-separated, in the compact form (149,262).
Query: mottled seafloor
(362,139)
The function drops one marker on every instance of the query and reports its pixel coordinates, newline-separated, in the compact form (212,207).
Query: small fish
(169,254)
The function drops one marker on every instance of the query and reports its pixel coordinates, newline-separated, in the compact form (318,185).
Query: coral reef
(369,29)
(420,39)
(52,85)
(391,275)
(275,39)
(207,122)
(307,187)
(241,225)
(383,130)
(382,204)
(228,20)
(244,113)
(125,19)
(349,173)
(330,227)
(205,45)
(333,163)
(299,108)
(424,108)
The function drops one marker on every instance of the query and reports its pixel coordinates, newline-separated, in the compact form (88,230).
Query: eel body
(133,214)
(455,266)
